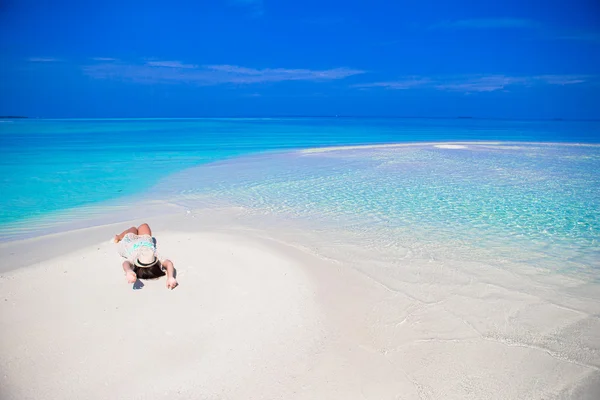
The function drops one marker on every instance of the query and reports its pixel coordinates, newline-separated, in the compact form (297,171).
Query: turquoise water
(51,165)
(544,194)
(539,203)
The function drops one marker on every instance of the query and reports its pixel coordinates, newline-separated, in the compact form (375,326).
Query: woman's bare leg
(120,236)
(144,229)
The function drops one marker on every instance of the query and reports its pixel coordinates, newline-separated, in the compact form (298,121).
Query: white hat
(145,258)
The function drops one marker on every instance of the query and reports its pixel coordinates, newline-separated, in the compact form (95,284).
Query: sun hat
(145,258)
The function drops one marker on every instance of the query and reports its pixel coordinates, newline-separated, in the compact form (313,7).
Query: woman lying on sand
(138,247)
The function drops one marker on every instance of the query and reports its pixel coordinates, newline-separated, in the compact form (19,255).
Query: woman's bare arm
(170,268)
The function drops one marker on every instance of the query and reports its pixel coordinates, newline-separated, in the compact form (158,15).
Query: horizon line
(466,117)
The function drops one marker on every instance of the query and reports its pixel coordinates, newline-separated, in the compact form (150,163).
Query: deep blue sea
(527,186)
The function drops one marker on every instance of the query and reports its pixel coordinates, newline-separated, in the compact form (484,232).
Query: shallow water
(535,204)
(48,166)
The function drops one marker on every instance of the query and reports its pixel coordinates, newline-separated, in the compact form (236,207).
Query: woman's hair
(152,272)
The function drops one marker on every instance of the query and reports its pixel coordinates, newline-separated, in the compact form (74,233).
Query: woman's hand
(128,268)
(131,276)
(171,283)
(170,269)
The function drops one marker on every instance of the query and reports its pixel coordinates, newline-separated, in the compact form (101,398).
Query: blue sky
(509,59)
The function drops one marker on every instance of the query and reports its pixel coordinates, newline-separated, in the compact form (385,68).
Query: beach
(383,262)
(258,316)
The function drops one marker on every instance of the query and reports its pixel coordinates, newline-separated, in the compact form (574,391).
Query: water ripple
(530,202)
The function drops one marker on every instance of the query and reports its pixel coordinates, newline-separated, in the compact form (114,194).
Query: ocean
(515,192)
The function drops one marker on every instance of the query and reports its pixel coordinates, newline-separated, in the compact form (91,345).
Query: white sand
(254,318)
(443,145)
(450,146)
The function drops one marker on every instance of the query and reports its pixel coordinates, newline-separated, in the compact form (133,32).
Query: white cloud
(171,64)
(477,83)
(43,59)
(177,72)
(407,83)
(563,79)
